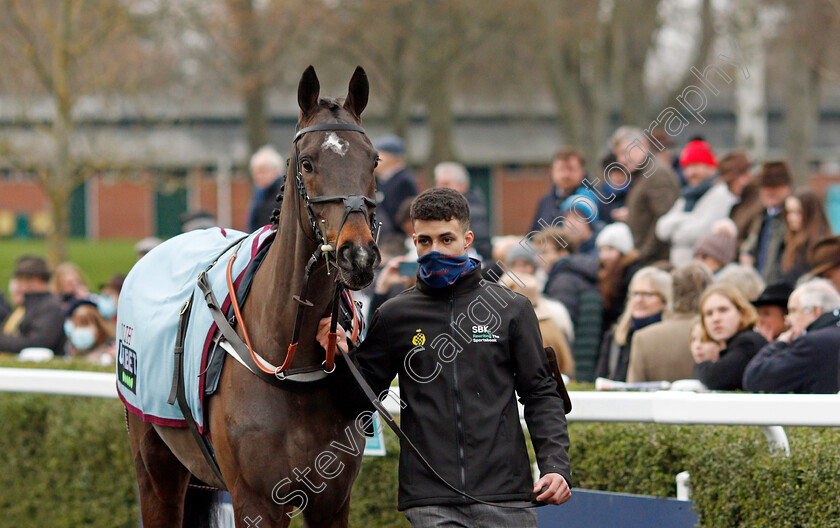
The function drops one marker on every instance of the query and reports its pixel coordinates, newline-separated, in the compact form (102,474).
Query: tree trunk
(750,93)
(248,51)
(439,109)
(256,125)
(58,181)
(802,96)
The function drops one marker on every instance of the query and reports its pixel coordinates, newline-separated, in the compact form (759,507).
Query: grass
(99,260)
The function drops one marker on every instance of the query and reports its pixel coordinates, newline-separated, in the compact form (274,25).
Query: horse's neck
(279,278)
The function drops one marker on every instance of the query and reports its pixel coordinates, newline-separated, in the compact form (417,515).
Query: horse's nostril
(359,257)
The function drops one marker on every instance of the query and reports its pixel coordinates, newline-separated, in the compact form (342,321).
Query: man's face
(697,173)
(448,181)
(637,156)
(448,238)
(772,318)
(264,174)
(799,317)
(567,174)
(773,196)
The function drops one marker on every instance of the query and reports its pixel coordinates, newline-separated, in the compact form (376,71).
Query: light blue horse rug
(150,304)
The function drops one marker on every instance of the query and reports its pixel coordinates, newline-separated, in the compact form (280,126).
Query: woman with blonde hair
(650,294)
(69,283)
(727,318)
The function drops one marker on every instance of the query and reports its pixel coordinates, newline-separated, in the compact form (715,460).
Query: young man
(42,322)
(461,347)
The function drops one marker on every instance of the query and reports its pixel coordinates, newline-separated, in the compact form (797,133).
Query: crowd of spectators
(660,268)
(665,268)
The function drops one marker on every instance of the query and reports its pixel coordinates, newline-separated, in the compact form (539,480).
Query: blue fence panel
(599,509)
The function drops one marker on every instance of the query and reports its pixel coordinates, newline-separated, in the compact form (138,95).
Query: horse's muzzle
(356,264)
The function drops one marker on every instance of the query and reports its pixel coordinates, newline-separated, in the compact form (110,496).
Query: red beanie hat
(698,151)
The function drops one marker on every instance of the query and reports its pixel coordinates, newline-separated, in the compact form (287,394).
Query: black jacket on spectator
(390,194)
(574,282)
(5,308)
(265,202)
(479,224)
(42,325)
(808,364)
(457,380)
(727,371)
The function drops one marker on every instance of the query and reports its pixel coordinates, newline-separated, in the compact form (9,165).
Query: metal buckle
(324,364)
(280,375)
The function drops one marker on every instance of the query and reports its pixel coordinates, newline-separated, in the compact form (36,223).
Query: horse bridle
(352,204)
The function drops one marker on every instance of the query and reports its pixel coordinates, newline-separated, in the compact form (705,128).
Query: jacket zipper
(459,425)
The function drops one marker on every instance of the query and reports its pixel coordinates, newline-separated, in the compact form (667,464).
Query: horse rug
(150,304)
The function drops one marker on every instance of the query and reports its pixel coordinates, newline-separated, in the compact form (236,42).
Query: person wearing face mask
(462,358)
(108,298)
(89,336)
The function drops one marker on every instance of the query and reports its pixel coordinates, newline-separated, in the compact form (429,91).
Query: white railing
(665,407)
(769,411)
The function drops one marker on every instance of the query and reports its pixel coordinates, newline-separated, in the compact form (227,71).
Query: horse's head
(334,171)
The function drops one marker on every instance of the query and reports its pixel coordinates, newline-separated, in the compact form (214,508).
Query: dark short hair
(32,267)
(441,204)
(567,153)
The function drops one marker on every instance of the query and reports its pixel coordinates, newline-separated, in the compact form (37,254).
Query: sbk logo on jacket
(483,334)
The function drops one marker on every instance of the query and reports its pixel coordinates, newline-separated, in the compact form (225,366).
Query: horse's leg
(341,518)
(161,478)
(253,510)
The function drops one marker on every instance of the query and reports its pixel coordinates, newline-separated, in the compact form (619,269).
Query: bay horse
(265,437)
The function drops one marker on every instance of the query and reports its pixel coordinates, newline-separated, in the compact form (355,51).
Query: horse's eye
(306,165)
(376,162)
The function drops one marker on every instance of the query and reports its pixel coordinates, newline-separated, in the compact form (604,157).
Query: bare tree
(810,48)
(634,27)
(65,50)
(246,44)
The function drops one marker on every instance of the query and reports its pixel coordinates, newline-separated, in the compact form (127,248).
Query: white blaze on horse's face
(336,144)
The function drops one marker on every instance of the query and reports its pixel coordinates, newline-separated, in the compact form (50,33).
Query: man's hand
(787,336)
(558,490)
(323,335)
(390,276)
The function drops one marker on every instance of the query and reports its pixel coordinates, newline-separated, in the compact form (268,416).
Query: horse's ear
(308,91)
(357,93)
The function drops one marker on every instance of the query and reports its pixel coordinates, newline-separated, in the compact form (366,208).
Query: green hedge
(64,462)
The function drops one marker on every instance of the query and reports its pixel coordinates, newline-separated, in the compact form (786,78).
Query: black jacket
(42,325)
(264,204)
(480,224)
(808,364)
(390,194)
(727,371)
(457,381)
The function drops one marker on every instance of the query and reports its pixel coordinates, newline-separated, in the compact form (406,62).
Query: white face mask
(83,337)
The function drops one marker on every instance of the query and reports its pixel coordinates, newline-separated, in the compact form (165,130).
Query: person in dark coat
(765,244)
(727,318)
(567,192)
(394,182)
(455,176)
(42,324)
(429,336)
(573,280)
(267,171)
(804,359)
